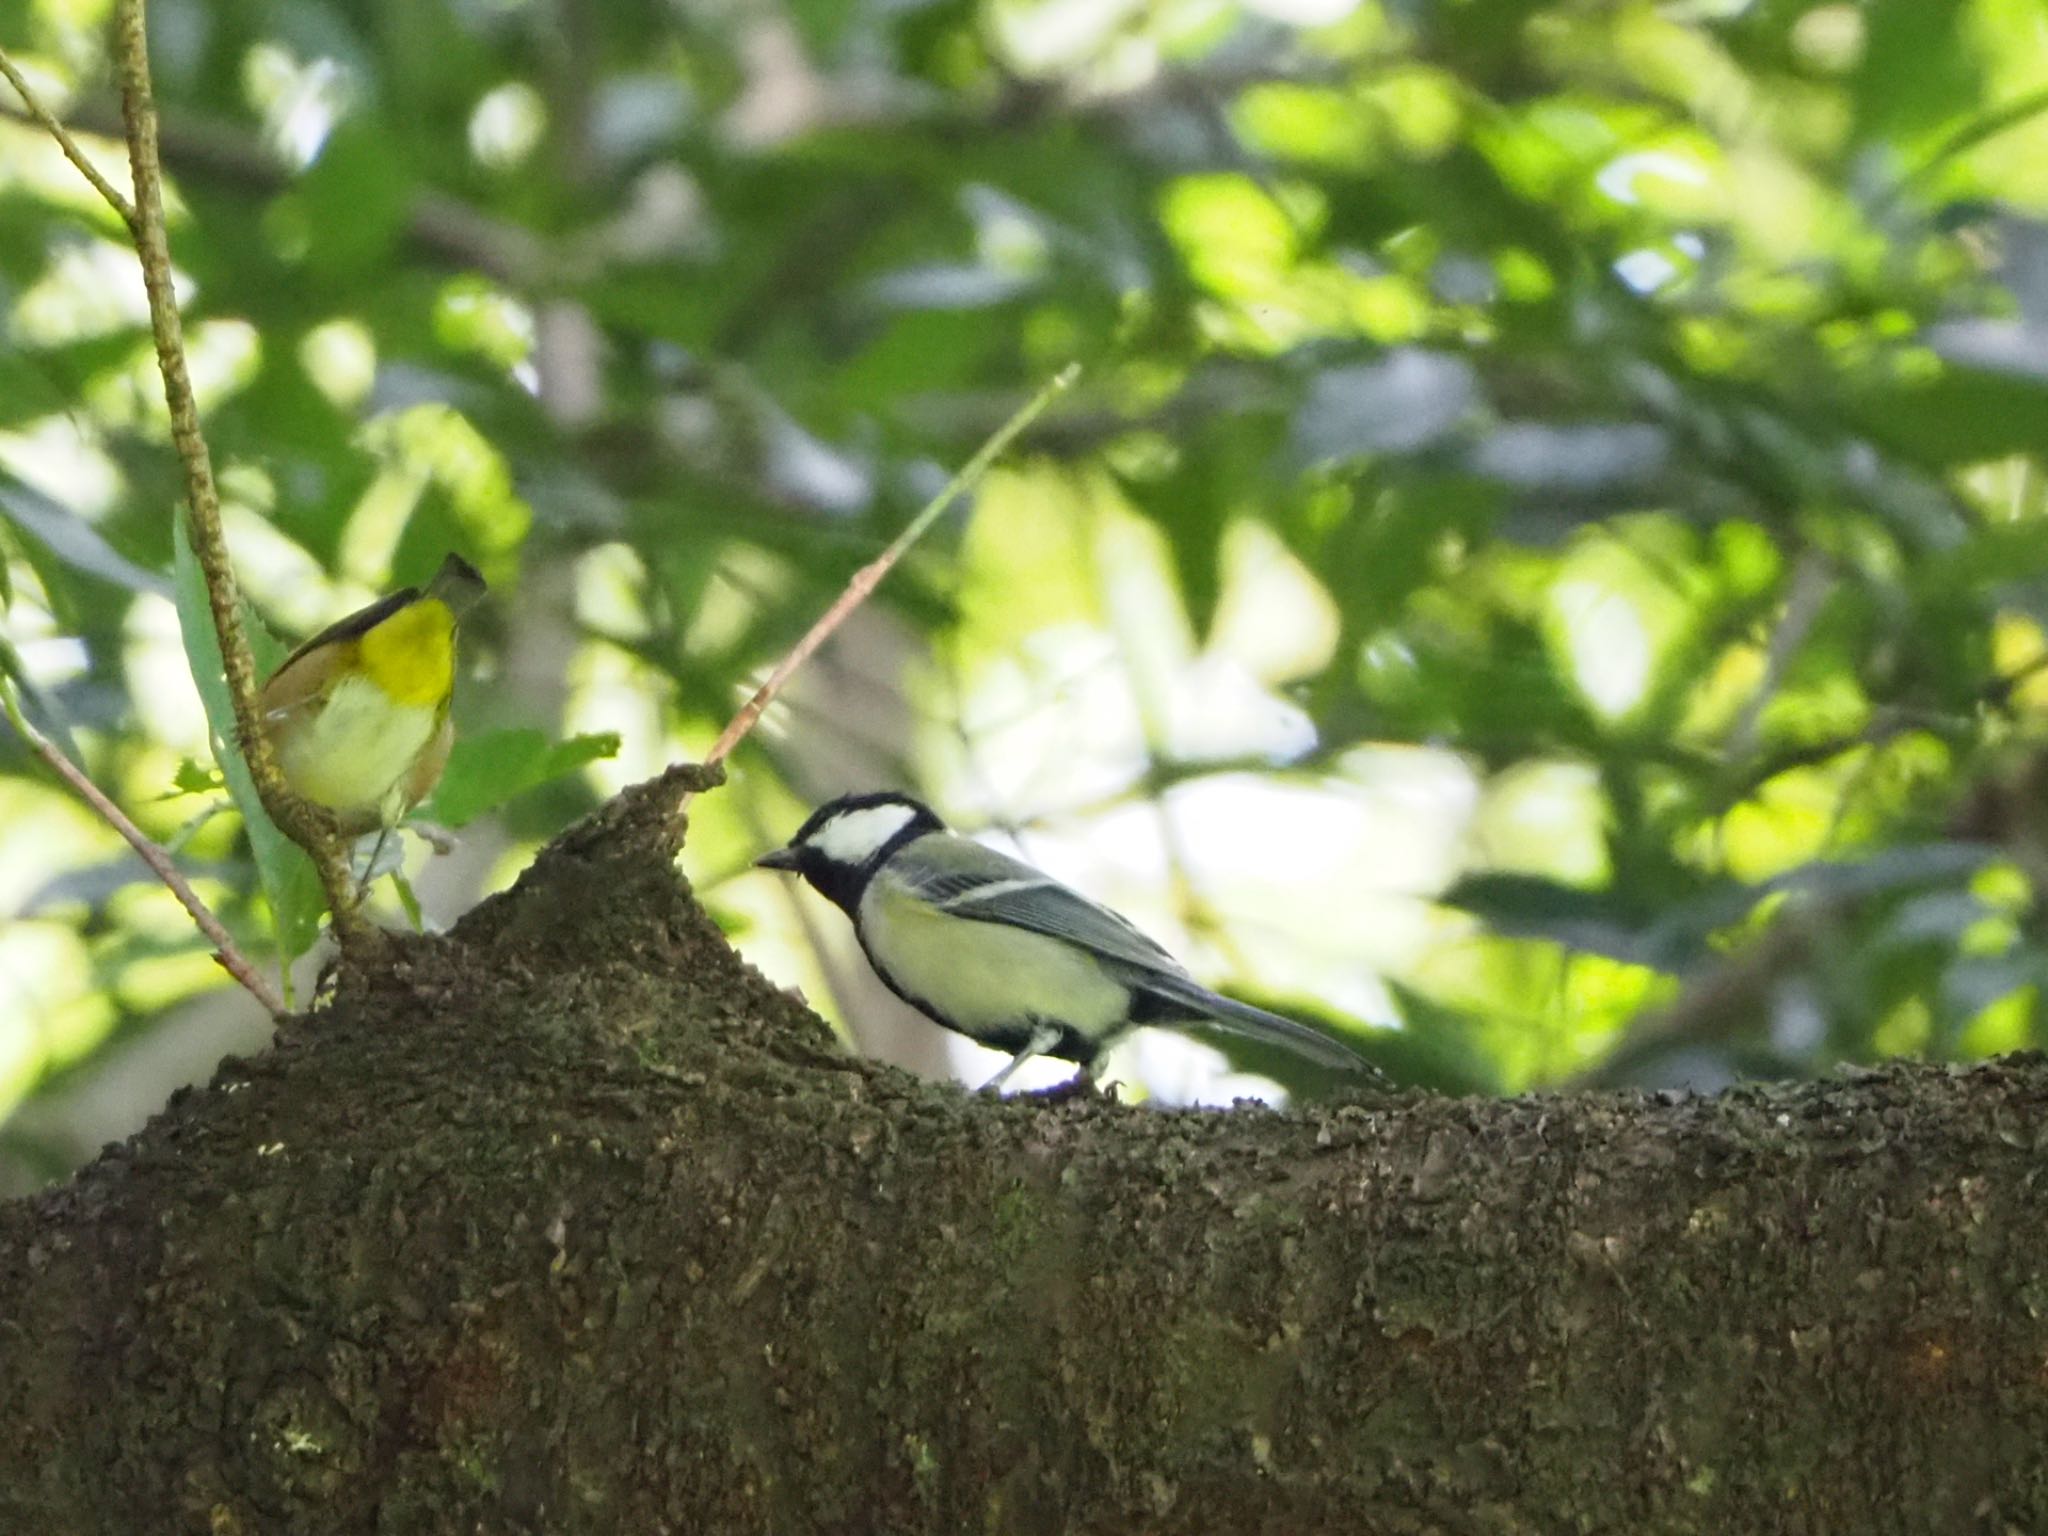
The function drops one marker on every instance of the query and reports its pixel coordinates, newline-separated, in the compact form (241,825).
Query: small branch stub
(56,130)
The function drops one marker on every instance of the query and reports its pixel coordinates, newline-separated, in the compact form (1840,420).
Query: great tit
(1002,953)
(358,715)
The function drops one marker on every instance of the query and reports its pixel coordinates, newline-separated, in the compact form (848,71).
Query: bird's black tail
(1195,1004)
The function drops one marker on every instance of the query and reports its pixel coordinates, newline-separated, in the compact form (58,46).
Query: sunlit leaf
(408,901)
(486,771)
(287,875)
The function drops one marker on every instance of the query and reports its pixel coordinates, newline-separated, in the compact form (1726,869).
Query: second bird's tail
(1197,1004)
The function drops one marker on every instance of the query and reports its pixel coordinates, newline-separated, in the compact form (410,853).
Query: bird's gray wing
(968,880)
(986,886)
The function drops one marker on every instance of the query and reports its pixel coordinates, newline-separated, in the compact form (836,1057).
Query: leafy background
(1545,569)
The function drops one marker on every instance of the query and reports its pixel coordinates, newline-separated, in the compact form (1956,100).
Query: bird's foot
(1080,1085)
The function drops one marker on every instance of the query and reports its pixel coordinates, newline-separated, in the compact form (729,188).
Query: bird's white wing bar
(989,891)
(1031,901)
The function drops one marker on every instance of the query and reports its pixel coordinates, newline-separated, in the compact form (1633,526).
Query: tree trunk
(568,1222)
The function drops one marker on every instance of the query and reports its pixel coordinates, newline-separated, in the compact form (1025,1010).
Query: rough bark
(569,1222)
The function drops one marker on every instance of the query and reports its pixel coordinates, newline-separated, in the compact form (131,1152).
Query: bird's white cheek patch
(851,838)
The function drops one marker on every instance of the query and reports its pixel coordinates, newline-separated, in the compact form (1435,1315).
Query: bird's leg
(1043,1038)
(369,875)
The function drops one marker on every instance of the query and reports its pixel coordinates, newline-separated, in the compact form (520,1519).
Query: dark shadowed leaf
(1530,906)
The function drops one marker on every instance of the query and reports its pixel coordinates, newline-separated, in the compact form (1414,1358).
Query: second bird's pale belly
(351,756)
(986,977)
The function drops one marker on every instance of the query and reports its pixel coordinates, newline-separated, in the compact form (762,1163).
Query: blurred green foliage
(1557,486)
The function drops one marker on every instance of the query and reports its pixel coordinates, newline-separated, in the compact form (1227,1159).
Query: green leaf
(486,771)
(1215,476)
(1912,78)
(1963,415)
(70,538)
(352,200)
(289,881)
(36,707)
(1523,906)
(195,778)
(1437,1047)
(409,900)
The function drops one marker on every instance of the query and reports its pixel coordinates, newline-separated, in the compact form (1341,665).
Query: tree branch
(231,959)
(571,1210)
(40,114)
(300,821)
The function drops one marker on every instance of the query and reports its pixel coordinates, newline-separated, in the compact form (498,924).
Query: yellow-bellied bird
(358,715)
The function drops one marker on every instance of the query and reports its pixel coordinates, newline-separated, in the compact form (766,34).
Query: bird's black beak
(780,858)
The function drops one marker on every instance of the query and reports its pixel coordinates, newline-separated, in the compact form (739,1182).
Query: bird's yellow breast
(411,655)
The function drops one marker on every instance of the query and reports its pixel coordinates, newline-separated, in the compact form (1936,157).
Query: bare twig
(231,959)
(298,820)
(65,142)
(1811,585)
(869,576)
(1965,137)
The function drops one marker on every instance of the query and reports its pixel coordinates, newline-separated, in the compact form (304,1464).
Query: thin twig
(869,576)
(65,142)
(293,816)
(231,959)
(1987,125)
(1811,585)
